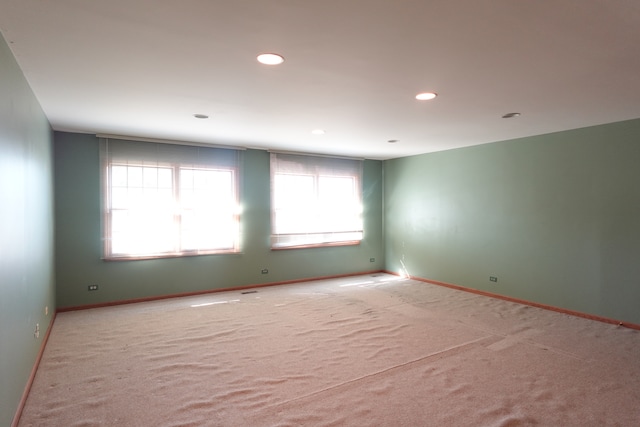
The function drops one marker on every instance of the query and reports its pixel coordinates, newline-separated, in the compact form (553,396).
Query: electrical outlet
(265,271)
(46,310)
(93,287)
(36,334)
(372,260)
(493,278)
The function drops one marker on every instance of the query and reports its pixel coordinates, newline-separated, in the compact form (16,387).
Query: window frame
(318,167)
(178,210)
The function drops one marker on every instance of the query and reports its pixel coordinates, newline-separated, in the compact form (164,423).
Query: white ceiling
(145,67)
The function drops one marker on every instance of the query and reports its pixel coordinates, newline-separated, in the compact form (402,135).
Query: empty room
(356,213)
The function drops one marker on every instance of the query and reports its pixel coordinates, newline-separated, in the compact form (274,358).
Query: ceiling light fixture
(392,141)
(200,116)
(510,115)
(318,132)
(270,59)
(425,96)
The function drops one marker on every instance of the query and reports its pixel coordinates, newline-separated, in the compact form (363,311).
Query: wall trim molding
(212,291)
(34,370)
(524,302)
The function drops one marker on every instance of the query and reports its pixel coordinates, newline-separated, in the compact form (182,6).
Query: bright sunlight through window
(164,201)
(316,201)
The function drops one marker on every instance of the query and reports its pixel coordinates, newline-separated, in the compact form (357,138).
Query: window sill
(169,256)
(317,245)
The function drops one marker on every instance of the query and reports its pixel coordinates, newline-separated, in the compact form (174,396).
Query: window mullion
(107,188)
(177,210)
(160,211)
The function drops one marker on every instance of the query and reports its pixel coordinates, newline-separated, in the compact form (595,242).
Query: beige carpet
(371,350)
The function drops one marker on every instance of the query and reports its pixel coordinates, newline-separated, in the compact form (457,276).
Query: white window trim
(107,160)
(317,167)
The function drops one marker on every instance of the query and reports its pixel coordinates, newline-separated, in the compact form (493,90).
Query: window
(316,201)
(166,200)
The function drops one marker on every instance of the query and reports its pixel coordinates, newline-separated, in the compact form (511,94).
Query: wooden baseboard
(27,388)
(213,291)
(525,302)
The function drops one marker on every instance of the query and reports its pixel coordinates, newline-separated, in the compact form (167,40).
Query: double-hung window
(168,200)
(315,201)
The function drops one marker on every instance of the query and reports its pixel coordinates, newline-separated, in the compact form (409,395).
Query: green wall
(26,231)
(556,218)
(79,247)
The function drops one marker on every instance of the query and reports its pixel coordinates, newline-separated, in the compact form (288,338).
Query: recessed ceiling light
(510,115)
(425,96)
(270,58)
(318,132)
(200,116)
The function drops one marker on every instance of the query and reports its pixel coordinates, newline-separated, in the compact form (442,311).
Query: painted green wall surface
(26,231)
(79,245)
(556,218)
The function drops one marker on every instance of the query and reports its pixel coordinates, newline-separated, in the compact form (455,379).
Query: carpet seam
(453,349)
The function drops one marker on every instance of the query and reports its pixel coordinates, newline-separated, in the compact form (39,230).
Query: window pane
(134,198)
(293,191)
(134,176)
(119,221)
(142,234)
(119,198)
(339,206)
(149,216)
(207,201)
(119,176)
(222,185)
(165,199)
(150,177)
(142,219)
(186,178)
(316,201)
(201,180)
(336,190)
(187,198)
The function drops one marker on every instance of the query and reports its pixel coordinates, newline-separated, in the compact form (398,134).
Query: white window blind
(315,201)
(165,200)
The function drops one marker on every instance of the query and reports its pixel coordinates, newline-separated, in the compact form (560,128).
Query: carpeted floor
(371,350)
